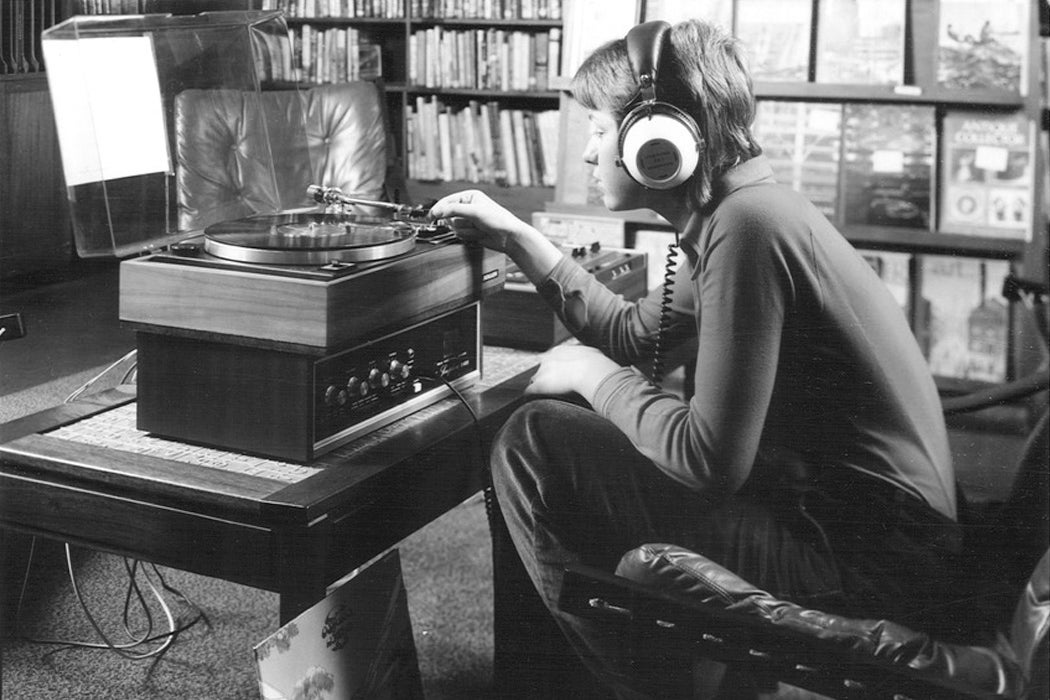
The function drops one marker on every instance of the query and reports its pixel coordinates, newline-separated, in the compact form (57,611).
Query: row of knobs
(378,378)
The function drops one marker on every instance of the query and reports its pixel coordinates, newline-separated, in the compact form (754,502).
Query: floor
(71,321)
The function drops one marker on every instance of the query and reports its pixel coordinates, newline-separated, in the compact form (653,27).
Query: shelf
(889,238)
(921,241)
(496,23)
(906,94)
(520,201)
(385,22)
(471,92)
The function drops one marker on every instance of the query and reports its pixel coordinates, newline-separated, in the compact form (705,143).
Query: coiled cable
(666,297)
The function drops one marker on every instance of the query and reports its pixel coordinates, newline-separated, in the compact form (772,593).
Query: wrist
(532,252)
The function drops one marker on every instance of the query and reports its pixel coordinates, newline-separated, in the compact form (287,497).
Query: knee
(521,445)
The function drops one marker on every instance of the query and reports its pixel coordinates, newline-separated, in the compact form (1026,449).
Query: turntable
(290,334)
(271,317)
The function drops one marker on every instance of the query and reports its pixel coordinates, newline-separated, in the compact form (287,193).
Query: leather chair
(241,153)
(665,596)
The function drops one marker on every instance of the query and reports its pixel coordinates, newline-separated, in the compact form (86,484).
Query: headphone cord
(666,297)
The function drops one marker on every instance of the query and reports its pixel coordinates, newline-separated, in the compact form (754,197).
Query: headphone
(659,144)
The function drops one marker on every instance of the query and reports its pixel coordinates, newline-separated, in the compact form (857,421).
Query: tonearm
(333,195)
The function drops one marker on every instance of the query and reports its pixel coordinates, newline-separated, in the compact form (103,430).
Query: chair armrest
(691,599)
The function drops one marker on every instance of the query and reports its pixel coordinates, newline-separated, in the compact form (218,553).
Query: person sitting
(812,457)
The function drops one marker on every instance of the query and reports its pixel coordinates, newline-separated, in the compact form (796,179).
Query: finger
(451,205)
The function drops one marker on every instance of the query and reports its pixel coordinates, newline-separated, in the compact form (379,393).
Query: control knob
(399,370)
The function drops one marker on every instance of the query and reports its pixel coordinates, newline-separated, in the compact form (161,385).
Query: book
(776,36)
(861,42)
(987,188)
(983,44)
(802,141)
(356,643)
(966,327)
(888,163)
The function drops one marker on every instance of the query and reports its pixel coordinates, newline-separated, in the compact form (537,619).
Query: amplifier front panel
(362,388)
(297,406)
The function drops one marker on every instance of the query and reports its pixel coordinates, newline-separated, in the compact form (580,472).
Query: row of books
(386,9)
(981,44)
(332,55)
(21,22)
(483,59)
(961,320)
(863,163)
(111,7)
(423,9)
(487,9)
(481,142)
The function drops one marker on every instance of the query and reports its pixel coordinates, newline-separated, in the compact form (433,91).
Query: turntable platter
(308,238)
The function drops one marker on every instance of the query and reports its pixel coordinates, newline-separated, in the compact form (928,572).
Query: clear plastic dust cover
(134,97)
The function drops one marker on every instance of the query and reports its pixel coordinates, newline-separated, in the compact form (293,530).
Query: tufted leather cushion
(226,141)
(1015,666)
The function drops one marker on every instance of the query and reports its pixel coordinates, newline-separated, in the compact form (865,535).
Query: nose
(590,151)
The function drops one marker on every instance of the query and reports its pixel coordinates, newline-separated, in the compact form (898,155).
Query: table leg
(301,565)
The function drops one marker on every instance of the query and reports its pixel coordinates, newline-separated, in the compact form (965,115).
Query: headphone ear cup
(659,145)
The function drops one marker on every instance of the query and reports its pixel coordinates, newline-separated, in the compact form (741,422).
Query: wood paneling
(35,230)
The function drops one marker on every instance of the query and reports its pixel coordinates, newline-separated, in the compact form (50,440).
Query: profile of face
(619,190)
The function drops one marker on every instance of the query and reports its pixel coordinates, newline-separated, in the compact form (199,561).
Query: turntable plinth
(307,311)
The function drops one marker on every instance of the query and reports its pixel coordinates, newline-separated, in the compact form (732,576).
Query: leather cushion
(994,669)
(240,153)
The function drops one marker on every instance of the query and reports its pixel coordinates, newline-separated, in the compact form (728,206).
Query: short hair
(703,73)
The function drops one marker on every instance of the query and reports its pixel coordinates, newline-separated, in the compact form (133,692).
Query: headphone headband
(645,46)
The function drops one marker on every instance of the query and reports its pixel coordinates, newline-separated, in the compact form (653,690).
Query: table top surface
(51,446)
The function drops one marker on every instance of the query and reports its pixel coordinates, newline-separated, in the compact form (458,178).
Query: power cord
(488,494)
(131,649)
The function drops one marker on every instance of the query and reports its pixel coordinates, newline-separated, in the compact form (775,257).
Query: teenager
(812,457)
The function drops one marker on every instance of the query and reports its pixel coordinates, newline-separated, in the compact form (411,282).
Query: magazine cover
(861,42)
(987,186)
(802,142)
(983,44)
(775,34)
(889,163)
(968,319)
(356,643)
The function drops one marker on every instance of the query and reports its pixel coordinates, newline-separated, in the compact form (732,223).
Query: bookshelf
(922,89)
(469,85)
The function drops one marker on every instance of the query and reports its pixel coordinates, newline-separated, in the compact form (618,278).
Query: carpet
(447,568)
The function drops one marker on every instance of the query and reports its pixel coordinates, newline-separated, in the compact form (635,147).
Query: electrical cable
(136,641)
(666,297)
(134,595)
(488,494)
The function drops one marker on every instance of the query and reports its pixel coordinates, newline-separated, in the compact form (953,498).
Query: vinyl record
(308,238)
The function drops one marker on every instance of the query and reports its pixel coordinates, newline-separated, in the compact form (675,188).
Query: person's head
(702,72)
